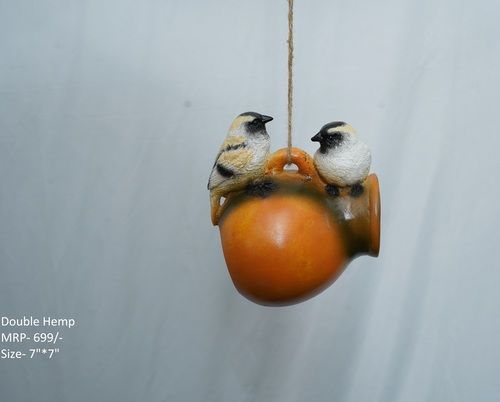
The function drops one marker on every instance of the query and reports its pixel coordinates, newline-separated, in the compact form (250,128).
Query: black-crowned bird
(241,158)
(342,159)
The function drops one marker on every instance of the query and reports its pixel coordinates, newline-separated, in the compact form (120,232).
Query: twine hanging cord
(290,78)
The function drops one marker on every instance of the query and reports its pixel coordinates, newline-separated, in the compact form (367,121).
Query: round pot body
(285,239)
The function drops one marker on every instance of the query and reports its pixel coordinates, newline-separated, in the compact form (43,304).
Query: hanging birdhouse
(285,238)
(287,235)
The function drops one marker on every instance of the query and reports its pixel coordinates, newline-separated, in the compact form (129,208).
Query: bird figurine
(342,159)
(241,158)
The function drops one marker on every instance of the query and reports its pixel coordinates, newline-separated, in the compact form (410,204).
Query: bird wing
(236,160)
(231,161)
(233,141)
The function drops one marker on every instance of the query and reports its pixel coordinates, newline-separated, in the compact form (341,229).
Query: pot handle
(305,164)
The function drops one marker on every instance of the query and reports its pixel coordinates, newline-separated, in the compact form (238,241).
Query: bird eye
(336,137)
(255,126)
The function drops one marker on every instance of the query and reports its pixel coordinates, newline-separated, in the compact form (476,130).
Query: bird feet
(261,188)
(357,190)
(332,190)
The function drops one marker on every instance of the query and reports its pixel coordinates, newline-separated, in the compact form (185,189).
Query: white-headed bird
(342,159)
(241,159)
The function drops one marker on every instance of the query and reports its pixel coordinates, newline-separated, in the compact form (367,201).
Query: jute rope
(290,77)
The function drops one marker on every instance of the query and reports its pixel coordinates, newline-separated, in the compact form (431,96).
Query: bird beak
(266,119)
(317,137)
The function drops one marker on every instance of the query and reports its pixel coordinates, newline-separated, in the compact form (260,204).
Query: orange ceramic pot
(286,239)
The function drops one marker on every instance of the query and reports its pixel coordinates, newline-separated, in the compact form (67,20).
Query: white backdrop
(111,113)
